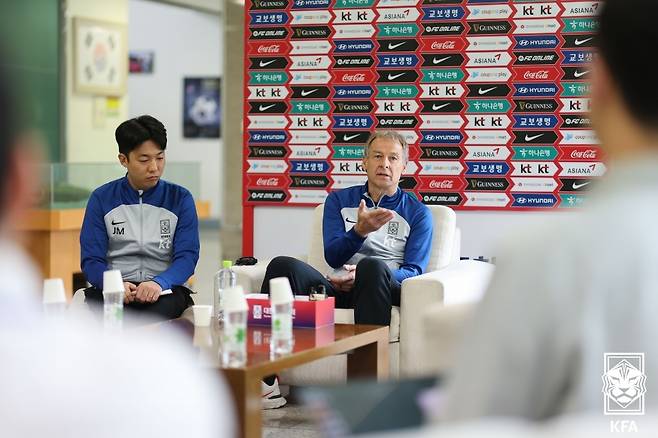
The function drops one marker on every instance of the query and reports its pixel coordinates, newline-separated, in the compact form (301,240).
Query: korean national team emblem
(165,226)
(393,228)
(624,383)
(165,234)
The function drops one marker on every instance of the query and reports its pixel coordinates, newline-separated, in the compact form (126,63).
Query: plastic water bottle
(113,292)
(234,330)
(281,299)
(224,278)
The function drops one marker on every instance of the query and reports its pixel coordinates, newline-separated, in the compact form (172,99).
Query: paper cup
(112,281)
(234,300)
(280,291)
(53,291)
(202,314)
(202,336)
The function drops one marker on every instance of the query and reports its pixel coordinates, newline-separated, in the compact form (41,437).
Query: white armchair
(447,281)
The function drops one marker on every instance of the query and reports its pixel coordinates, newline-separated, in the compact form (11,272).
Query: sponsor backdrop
(491,96)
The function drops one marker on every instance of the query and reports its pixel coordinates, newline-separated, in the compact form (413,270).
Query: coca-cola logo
(272,48)
(442,184)
(267,182)
(355,77)
(445,45)
(589,154)
(538,75)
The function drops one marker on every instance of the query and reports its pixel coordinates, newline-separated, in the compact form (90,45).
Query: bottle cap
(280,291)
(227,264)
(53,291)
(112,281)
(234,300)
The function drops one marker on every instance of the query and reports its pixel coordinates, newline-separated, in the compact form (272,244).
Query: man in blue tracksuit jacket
(375,235)
(144,226)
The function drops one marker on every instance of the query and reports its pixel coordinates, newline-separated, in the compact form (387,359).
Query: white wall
(286,230)
(86,141)
(186,43)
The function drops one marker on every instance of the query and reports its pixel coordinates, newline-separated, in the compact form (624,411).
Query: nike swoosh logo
(577,186)
(392,46)
(265,108)
(581,42)
(352,222)
(307,92)
(578,74)
(118,223)
(266,63)
(393,77)
(438,107)
(350,137)
(483,91)
(439,61)
(532,137)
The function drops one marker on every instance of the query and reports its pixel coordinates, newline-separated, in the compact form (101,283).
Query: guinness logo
(311,32)
(536,105)
(490,28)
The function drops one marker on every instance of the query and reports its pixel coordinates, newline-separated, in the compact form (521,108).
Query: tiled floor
(289,421)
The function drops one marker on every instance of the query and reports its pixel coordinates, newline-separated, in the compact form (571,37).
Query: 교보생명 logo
(623,383)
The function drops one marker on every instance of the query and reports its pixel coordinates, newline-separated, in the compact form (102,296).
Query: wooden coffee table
(368,345)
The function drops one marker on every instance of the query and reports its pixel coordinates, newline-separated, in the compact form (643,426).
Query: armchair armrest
(443,328)
(251,277)
(460,282)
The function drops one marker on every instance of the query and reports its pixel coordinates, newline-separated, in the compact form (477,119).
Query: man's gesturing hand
(368,221)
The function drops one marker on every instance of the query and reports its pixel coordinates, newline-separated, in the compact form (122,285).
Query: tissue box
(305,313)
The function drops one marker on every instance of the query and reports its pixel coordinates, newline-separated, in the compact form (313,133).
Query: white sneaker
(271,395)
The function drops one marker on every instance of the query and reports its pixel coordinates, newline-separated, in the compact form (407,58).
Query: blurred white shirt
(20,286)
(562,296)
(69,379)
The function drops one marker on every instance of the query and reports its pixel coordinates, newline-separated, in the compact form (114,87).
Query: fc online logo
(623,383)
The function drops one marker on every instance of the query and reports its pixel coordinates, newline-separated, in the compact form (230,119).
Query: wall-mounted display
(141,61)
(201,108)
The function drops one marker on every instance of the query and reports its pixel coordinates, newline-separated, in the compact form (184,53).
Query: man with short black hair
(143,226)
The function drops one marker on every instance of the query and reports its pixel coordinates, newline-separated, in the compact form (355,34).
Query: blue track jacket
(147,235)
(403,244)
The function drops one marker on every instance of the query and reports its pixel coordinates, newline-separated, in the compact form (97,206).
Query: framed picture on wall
(100,57)
(141,61)
(201,108)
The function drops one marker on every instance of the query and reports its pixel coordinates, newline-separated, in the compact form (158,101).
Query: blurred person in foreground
(585,285)
(60,378)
